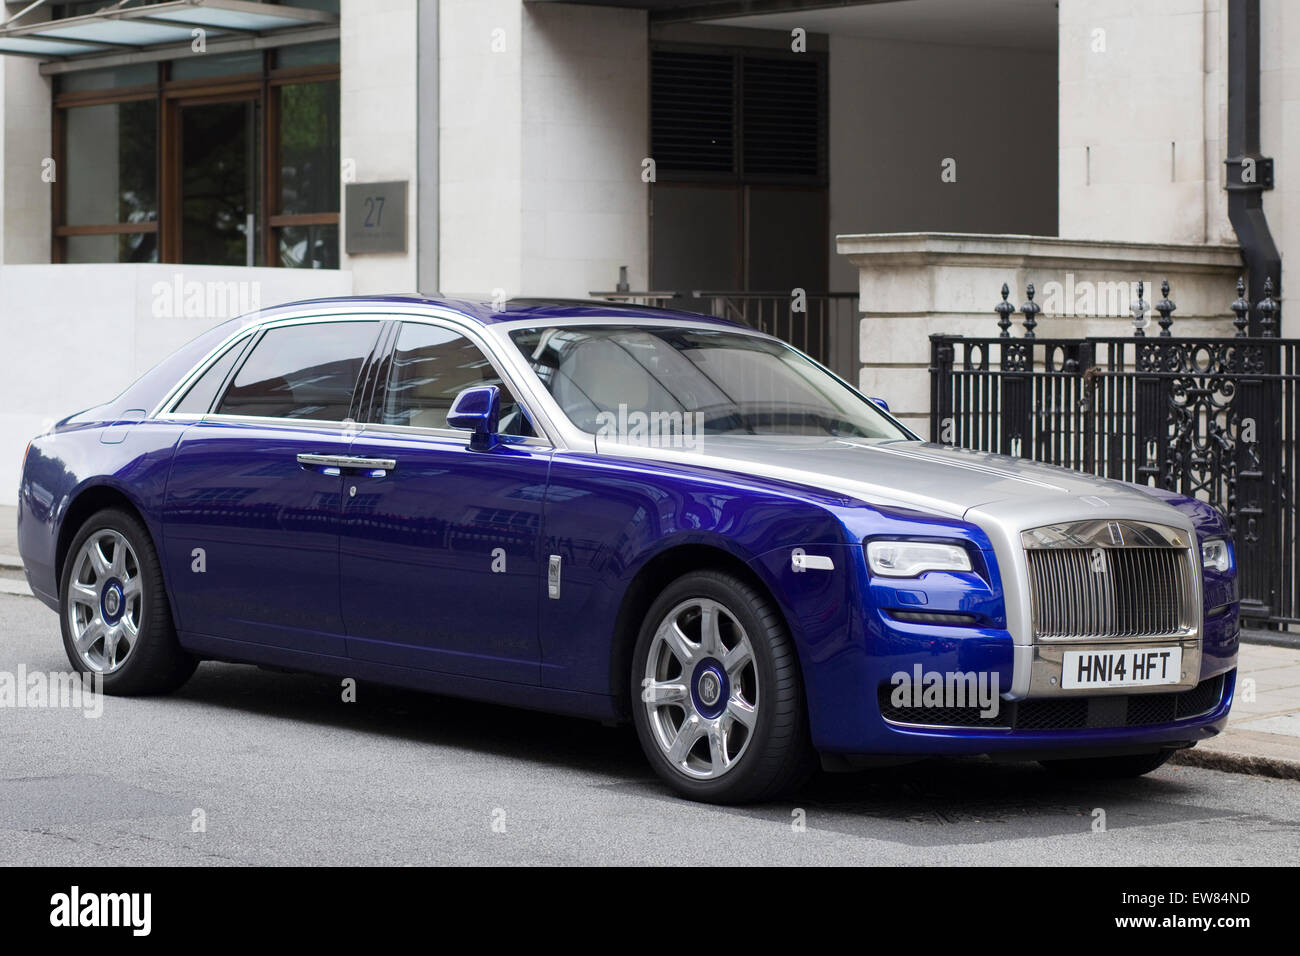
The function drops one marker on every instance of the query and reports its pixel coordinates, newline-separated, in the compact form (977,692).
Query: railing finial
(1166,308)
(1267,308)
(1030,310)
(1241,306)
(1139,310)
(1004,310)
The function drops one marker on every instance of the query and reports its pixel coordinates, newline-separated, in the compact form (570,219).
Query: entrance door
(220,145)
(738,238)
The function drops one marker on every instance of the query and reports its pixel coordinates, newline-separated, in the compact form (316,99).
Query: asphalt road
(284,772)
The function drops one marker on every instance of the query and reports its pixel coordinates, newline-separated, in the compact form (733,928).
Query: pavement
(1262,736)
(244,766)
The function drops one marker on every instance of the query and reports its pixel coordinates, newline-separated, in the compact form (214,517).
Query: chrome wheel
(105,601)
(700,689)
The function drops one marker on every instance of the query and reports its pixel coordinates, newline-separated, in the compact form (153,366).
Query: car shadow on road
(420,717)
(945,791)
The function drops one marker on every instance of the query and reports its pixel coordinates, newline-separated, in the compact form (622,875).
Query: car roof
(489,311)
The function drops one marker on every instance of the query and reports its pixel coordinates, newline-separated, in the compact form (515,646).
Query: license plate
(1137,667)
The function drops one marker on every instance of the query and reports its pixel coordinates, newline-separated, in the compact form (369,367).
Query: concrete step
(13,586)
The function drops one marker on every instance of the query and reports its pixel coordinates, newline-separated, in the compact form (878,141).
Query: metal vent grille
(1109,592)
(1069,713)
(782,117)
(693,111)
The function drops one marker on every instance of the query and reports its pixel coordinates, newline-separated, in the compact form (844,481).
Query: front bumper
(856,633)
(1080,723)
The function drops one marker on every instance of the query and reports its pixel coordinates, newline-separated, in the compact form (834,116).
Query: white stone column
(1279,130)
(1143,94)
(26,111)
(378,65)
(544,116)
(586,104)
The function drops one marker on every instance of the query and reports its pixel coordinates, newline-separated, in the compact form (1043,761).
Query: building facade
(166,164)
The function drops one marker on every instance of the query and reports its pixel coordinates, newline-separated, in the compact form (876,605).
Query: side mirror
(478,409)
(884,405)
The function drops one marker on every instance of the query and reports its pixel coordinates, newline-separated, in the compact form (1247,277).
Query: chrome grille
(1110,579)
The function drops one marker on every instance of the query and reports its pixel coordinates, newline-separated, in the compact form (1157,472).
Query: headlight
(907,559)
(1216,555)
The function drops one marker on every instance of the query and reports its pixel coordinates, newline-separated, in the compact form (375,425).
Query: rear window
(302,371)
(198,400)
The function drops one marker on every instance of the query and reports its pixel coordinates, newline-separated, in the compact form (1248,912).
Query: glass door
(220,146)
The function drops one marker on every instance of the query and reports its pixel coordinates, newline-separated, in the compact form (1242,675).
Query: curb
(1271,638)
(1230,762)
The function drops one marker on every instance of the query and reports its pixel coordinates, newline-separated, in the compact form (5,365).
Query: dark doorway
(220,145)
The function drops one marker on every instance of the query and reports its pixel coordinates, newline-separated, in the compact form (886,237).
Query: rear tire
(718,701)
(113,609)
(1100,768)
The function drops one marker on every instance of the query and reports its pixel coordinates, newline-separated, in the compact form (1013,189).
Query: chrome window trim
(494,340)
(427,314)
(457,435)
(327,424)
(704,322)
(165,408)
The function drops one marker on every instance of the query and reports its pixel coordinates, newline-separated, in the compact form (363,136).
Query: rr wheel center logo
(710,689)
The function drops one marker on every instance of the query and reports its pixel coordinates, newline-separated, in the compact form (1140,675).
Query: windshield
(720,382)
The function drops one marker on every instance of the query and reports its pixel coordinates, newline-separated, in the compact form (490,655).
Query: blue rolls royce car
(626,514)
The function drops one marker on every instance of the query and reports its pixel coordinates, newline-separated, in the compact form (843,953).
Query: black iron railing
(823,324)
(1212,418)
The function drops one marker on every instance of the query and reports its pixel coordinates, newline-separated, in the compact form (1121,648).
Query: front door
(441,563)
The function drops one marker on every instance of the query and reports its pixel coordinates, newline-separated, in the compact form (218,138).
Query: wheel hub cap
(113,601)
(710,688)
(104,602)
(700,689)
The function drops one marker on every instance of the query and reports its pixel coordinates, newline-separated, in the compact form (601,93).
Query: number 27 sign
(375,217)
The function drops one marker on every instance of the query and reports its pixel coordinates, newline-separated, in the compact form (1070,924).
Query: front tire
(114,612)
(1112,768)
(718,700)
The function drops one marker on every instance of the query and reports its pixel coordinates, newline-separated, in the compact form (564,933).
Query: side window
(198,400)
(302,371)
(430,367)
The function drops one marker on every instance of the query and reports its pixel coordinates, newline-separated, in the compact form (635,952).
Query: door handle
(348,461)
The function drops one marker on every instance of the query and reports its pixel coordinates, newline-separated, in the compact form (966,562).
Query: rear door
(253,505)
